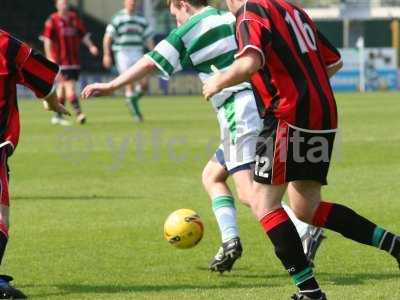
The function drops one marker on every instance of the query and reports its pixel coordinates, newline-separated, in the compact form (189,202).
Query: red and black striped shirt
(293,83)
(66,34)
(19,64)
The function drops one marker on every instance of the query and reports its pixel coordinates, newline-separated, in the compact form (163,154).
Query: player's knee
(302,214)
(212,176)
(208,178)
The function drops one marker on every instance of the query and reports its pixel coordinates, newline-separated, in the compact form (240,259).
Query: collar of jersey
(201,11)
(126,12)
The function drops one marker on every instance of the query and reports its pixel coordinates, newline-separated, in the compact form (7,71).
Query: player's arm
(47,37)
(330,55)
(148,36)
(252,35)
(87,41)
(138,71)
(162,59)
(47,49)
(51,103)
(333,69)
(241,70)
(38,74)
(150,44)
(107,55)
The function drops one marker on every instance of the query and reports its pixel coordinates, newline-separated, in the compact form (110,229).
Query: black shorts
(285,153)
(70,74)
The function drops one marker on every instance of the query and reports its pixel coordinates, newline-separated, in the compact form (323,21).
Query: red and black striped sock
(289,250)
(353,226)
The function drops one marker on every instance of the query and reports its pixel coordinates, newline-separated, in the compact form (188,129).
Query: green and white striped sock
(225,213)
(133,105)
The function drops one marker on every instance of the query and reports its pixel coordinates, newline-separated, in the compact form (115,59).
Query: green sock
(133,105)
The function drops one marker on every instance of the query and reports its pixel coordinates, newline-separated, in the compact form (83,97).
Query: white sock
(301,227)
(225,213)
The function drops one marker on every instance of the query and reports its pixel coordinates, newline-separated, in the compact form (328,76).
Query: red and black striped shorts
(286,153)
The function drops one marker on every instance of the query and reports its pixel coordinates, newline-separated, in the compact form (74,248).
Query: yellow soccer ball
(183,228)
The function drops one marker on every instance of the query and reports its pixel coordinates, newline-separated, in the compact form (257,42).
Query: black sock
(353,226)
(289,250)
(3,244)
(76,105)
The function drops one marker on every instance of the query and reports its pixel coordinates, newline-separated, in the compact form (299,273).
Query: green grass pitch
(88,205)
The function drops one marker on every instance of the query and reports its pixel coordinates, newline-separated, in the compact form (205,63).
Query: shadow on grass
(80,198)
(356,278)
(334,278)
(67,289)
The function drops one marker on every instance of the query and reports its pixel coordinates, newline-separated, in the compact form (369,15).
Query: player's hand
(94,50)
(52,104)
(107,61)
(97,90)
(211,87)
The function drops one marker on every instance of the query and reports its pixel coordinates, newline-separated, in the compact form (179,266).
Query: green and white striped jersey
(128,31)
(205,39)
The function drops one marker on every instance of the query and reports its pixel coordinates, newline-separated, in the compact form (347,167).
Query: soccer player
(63,34)
(204,38)
(127,36)
(289,63)
(18,65)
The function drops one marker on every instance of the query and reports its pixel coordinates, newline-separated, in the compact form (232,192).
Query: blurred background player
(127,36)
(18,65)
(205,38)
(63,34)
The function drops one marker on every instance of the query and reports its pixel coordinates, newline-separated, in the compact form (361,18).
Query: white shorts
(126,58)
(240,125)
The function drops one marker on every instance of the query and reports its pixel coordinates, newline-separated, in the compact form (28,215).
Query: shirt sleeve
(330,54)
(252,34)
(167,55)
(38,74)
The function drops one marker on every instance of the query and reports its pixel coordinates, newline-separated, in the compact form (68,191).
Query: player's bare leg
(58,118)
(6,290)
(282,233)
(144,85)
(70,93)
(214,181)
(243,181)
(311,237)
